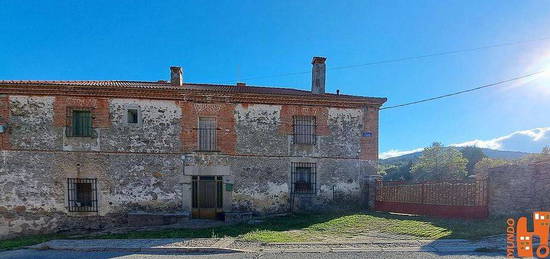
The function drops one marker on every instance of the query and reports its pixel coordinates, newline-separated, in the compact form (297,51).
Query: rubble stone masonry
(148,166)
(519,189)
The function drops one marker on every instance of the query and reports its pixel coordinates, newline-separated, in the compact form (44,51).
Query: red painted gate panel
(443,199)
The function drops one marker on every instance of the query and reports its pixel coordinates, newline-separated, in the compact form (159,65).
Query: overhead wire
(465,91)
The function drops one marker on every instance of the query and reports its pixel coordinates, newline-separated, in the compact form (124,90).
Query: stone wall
(147,167)
(34,187)
(519,189)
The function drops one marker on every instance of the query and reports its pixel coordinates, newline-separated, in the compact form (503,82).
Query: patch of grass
(313,227)
(27,241)
(349,226)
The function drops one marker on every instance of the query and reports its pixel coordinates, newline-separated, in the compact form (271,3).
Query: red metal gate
(443,199)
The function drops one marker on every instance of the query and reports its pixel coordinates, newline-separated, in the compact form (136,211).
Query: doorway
(207,197)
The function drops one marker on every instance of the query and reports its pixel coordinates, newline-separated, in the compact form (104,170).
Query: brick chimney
(176,76)
(318,75)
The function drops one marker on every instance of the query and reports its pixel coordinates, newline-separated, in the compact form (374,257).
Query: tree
(528,159)
(473,154)
(399,173)
(439,163)
(482,167)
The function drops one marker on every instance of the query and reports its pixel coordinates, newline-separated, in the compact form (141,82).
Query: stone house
(90,153)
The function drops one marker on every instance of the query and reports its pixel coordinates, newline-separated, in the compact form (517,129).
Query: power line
(395,60)
(464,91)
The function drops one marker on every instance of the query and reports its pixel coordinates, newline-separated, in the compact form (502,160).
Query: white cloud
(394,153)
(532,141)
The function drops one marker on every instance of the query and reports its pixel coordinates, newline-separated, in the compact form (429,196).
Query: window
(207,134)
(304,130)
(82,194)
(81,124)
(132,116)
(303,178)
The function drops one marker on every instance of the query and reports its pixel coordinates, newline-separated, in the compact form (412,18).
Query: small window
(132,116)
(81,124)
(82,194)
(207,134)
(304,130)
(303,178)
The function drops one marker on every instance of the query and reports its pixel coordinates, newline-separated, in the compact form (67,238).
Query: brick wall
(519,189)
(369,144)
(223,112)
(320,113)
(98,106)
(4,118)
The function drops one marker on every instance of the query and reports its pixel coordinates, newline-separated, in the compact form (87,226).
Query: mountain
(491,153)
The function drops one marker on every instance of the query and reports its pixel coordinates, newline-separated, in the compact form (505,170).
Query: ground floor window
(303,178)
(82,194)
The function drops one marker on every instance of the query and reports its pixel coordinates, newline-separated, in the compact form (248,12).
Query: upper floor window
(132,116)
(81,124)
(304,130)
(207,134)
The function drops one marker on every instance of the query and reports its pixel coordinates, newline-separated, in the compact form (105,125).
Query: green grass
(27,241)
(313,227)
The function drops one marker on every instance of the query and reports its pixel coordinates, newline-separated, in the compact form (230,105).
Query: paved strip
(228,245)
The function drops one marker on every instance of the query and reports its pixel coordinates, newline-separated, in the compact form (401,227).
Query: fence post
(372,181)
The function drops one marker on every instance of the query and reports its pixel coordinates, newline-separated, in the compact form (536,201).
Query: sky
(250,41)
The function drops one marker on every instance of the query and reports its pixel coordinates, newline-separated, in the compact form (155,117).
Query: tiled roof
(167,85)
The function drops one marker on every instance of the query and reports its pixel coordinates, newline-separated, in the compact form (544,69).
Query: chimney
(318,75)
(176,76)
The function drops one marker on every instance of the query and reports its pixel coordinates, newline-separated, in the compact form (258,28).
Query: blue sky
(229,40)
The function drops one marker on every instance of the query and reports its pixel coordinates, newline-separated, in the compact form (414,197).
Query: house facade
(90,153)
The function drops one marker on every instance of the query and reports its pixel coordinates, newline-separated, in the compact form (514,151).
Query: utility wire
(395,60)
(465,91)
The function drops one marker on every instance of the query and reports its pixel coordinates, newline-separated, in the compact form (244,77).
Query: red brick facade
(4,118)
(369,144)
(320,113)
(223,112)
(64,105)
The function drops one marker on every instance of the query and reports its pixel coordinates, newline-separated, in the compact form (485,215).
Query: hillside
(491,153)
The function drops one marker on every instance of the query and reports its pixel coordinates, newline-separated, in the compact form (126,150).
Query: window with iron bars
(304,130)
(82,194)
(303,177)
(207,134)
(79,123)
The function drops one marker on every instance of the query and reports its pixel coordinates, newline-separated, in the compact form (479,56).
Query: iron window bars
(207,134)
(79,123)
(304,130)
(82,194)
(303,178)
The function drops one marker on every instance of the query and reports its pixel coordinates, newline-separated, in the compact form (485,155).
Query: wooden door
(207,197)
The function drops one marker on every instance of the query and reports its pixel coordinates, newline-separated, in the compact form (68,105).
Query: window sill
(207,151)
